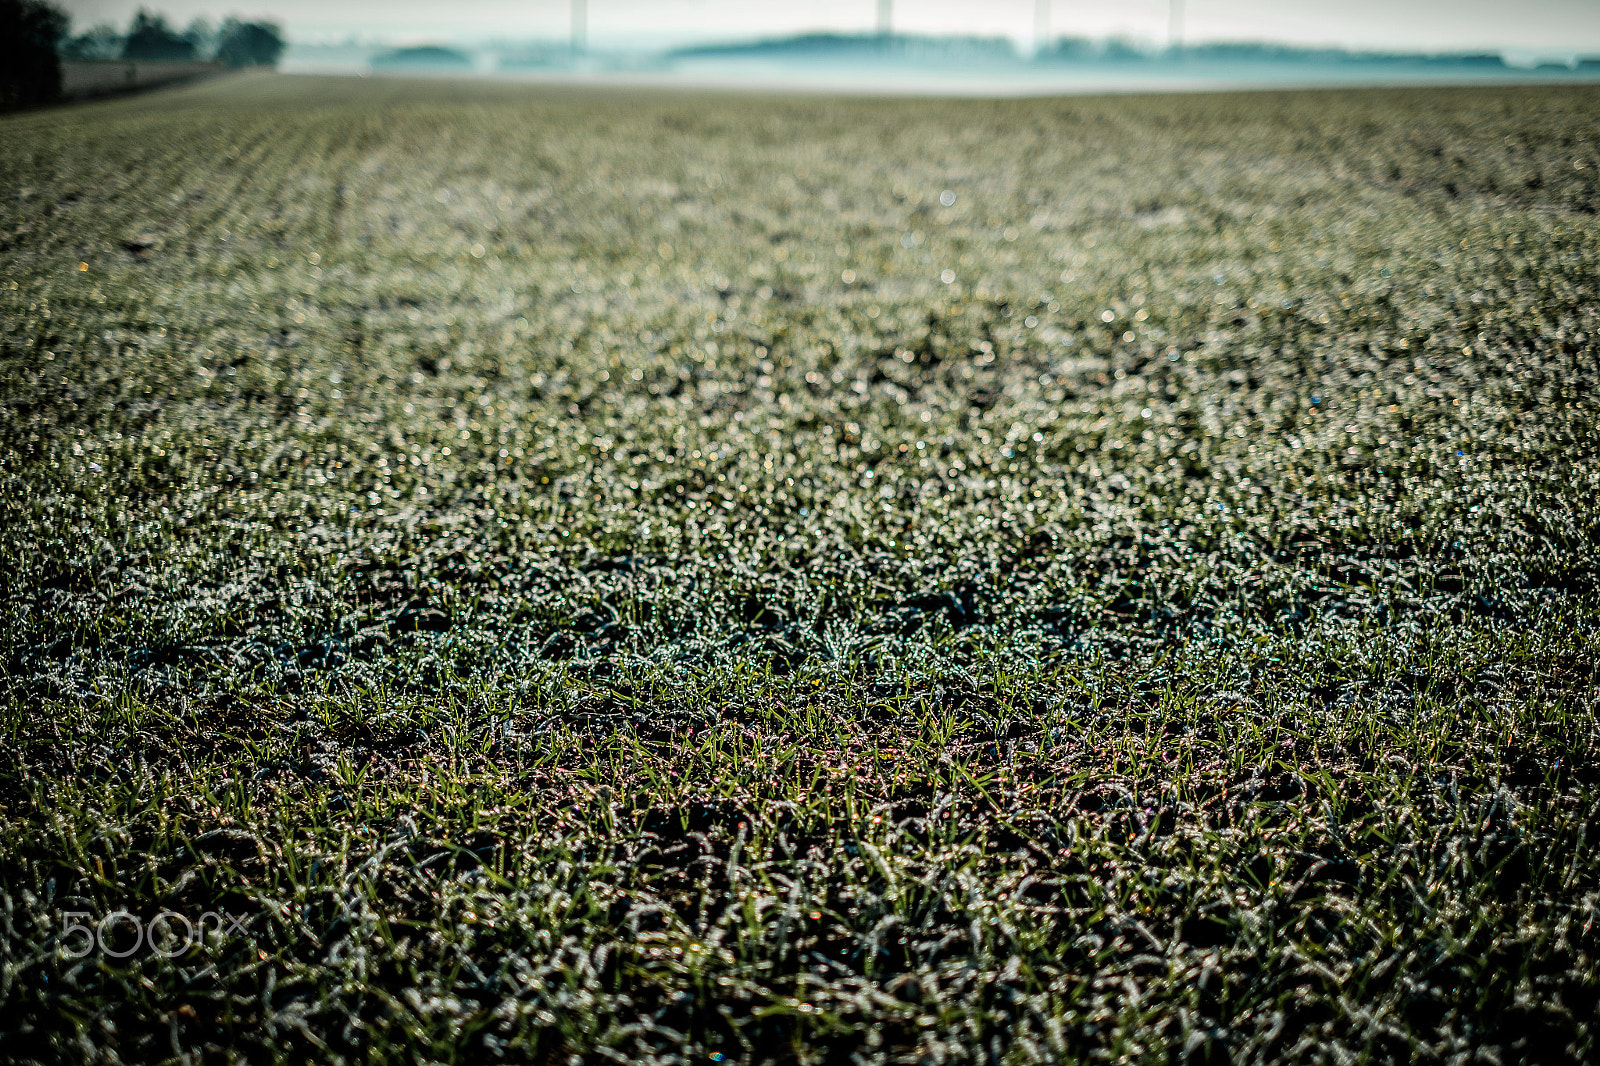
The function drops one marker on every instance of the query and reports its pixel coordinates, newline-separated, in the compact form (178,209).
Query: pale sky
(1554,26)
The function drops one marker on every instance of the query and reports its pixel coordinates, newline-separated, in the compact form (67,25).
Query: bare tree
(885,17)
(1174,24)
(580,27)
(1041,25)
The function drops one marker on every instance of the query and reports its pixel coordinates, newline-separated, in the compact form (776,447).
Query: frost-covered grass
(707,578)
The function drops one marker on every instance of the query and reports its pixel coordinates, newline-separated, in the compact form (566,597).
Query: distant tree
(98,42)
(1123,49)
(151,38)
(30,71)
(1068,50)
(424,57)
(203,35)
(249,44)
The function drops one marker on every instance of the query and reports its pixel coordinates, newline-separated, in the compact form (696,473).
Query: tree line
(35,36)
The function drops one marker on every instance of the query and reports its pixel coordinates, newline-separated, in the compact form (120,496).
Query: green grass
(643,578)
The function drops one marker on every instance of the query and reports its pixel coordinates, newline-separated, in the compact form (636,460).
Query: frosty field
(646,577)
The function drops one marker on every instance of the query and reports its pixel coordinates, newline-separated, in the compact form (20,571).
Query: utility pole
(1041,26)
(885,17)
(580,27)
(1174,25)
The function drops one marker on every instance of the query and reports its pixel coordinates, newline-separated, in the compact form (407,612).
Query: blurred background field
(654,576)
